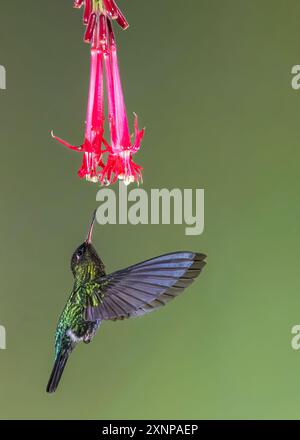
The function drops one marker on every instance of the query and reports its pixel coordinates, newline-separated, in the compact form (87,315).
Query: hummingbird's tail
(57,371)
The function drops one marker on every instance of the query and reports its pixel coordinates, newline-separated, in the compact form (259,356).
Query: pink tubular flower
(119,163)
(95,114)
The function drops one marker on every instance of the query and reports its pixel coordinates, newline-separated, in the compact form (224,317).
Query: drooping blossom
(119,162)
(97,18)
(94,126)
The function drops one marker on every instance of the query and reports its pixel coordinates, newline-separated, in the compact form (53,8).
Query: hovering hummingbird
(127,293)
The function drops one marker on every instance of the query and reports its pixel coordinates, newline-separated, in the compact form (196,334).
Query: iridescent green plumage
(72,320)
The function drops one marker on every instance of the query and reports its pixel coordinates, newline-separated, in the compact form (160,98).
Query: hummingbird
(131,292)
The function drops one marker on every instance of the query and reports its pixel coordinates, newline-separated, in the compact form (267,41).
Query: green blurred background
(210,79)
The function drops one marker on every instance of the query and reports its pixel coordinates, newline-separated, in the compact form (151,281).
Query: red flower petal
(78,3)
(90,28)
(65,143)
(87,11)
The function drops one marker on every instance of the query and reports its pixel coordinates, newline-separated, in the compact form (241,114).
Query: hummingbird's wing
(144,287)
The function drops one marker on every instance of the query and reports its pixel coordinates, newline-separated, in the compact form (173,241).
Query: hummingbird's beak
(90,233)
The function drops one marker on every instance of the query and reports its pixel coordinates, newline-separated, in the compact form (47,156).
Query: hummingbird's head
(85,262)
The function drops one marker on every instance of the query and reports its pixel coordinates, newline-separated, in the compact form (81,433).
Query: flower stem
(98,6)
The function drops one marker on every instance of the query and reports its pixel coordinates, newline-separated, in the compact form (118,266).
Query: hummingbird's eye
(79,253)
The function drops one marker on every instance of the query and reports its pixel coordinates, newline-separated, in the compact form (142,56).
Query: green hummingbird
(126,293)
